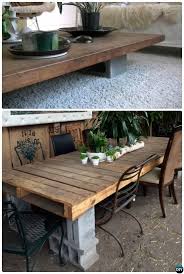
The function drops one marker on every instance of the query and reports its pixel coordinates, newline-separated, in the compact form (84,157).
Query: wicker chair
(25,233)
(165,176)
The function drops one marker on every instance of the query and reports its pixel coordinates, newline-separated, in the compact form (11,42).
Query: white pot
(109,159)
(83,153)
(102,156)
(123,151)
(95,162)
(117,154)
(84,161)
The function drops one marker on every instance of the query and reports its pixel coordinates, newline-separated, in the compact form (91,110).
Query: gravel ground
(151,81)
(158,250)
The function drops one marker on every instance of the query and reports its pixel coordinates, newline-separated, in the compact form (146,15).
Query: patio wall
(42,133)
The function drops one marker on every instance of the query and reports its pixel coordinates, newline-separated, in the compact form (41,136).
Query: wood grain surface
(19,73)
(63,182)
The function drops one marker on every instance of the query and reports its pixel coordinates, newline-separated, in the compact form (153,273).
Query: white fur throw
(135,17)
(34,9)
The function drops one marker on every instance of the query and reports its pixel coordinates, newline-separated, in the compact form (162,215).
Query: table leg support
(79,245)
(109,69)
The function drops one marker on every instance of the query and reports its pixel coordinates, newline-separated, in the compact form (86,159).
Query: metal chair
(26,150)
(25,233)
(62,144)
(165,176)
(122,198)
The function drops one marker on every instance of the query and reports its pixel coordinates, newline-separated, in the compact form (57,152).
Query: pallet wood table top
(64,186)
(18,73)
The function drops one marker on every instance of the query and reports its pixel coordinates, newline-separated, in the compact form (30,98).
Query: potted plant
(110,155)
(97,143)
(129,125)
(83,149)
(95,160)
(90,13)
(117,153)
(84,158)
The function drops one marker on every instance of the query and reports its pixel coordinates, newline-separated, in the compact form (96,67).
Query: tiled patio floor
(159,249)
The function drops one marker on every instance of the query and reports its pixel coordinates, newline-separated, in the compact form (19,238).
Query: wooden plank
(33,179)
(19,73)
(75,172)
(78,165)
(45,191)
(65,180)
(69,189)
(47,204)
(6,149)
(21,193)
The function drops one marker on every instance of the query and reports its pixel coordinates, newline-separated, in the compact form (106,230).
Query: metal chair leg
(116,239)
(27,264)
(169,191)
(173,193)
(141,232)
(162,202)
(62,261)
(144,188)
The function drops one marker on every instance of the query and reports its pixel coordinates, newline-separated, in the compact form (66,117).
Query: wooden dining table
(62,185)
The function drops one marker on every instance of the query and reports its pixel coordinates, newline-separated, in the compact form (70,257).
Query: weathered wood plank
(64,180)
(19,73)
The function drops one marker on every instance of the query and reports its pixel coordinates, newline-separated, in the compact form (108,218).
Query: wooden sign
(29,135)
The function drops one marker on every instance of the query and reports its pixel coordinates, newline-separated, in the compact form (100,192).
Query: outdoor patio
(76,174)
(158,250)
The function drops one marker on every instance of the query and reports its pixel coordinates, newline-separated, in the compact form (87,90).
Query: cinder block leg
(79,245)
(116,66)
(110,68)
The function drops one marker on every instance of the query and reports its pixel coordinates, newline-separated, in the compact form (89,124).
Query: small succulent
(95,158)
(83,156)
(83,149)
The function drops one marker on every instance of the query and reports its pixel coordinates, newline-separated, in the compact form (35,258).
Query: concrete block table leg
(79,245)
(110,68)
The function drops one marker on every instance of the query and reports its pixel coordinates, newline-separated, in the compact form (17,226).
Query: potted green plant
(90,13)
(110,155)
(83,149)
(97,143)
(117,152)
(129,125)
(95,160)
(84,158)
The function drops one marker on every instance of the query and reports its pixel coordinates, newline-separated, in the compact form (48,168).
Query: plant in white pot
(83,149)
(117,152)
(97,143)
(84,158)
(95,160)
(110,155)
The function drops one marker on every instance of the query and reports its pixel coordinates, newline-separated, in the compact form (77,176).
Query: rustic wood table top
(19,73)
(66,187)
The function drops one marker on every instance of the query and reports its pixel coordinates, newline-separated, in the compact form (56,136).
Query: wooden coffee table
(110,50)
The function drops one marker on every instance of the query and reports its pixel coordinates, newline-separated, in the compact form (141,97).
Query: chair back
(62,144)
(172,156)
(29,150)
(12,222)
(125,195)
